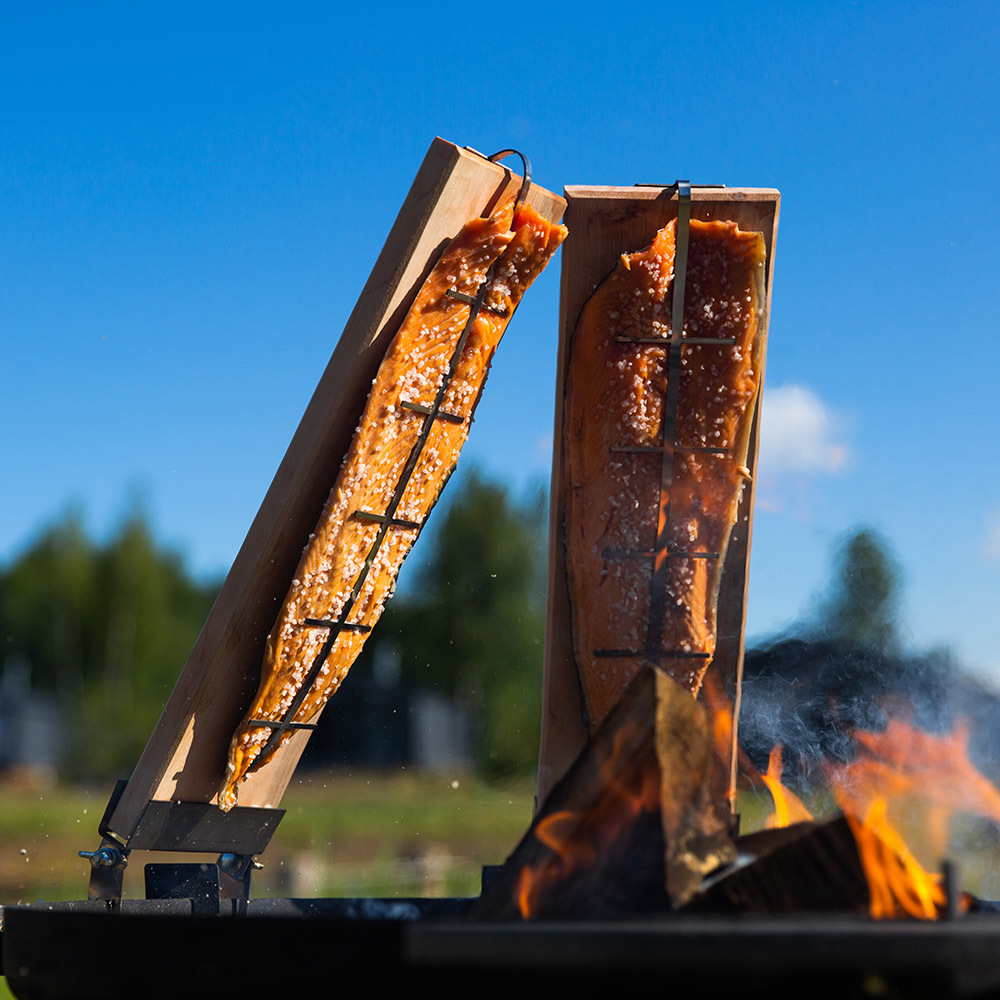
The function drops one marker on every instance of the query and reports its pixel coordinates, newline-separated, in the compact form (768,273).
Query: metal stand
(194,827)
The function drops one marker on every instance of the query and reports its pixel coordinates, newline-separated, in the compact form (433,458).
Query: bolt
(104,857)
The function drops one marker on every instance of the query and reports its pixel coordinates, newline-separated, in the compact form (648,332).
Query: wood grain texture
(640,817)
(185,756)
(605,222)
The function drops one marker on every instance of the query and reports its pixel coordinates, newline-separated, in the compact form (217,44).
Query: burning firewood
(804,868)
(636,823)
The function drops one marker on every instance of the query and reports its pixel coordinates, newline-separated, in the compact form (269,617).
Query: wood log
(804,868)
(635,824)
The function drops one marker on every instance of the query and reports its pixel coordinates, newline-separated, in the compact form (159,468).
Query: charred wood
(635,824)
(805,868)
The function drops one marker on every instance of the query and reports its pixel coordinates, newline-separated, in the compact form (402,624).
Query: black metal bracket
(190,827)
(220,889)
(196,882)
(109,861)
(234,879)
(203,827)
(107,872)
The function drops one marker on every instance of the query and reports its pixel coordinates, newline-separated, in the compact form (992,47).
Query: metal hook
(525,183)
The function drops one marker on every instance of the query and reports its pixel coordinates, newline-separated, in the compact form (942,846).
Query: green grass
(363,834)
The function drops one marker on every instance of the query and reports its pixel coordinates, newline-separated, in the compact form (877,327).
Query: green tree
(46,605)
(473,629)
(862,606)
(106,629)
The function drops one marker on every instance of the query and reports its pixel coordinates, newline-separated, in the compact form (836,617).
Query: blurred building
(376,719)
(32,725)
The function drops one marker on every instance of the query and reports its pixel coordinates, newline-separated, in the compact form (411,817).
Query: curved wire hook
(526,183)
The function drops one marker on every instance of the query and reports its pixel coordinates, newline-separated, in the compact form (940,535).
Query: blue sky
(191,200)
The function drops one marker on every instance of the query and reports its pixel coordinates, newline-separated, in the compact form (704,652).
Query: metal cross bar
(271,724)
(342,626)
(454,293)
(650,553)
(426,411)
(653,654)
(639,449)
(367,515)
(665,342)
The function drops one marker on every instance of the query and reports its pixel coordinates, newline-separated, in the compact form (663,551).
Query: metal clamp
(105,857)
(107,871)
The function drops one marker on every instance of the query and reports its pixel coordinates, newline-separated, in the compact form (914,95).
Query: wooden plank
(185,756)
(615,221)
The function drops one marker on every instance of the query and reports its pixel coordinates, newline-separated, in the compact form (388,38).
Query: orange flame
(576,842)
(904,761)
(930,773)
(898,885)
(570,851)
(788,807)
(721,711)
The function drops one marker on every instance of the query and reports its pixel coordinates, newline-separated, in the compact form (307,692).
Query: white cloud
(543,444)
(993,537)
(799,432)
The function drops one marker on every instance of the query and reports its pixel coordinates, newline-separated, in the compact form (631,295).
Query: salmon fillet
(646,533)
(331,574)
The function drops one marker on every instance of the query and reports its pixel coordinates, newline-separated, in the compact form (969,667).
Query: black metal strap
(653,654)
(660,575)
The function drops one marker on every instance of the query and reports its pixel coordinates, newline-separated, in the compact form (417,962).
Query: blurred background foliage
(472,626)
(105,629)
(861,608)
